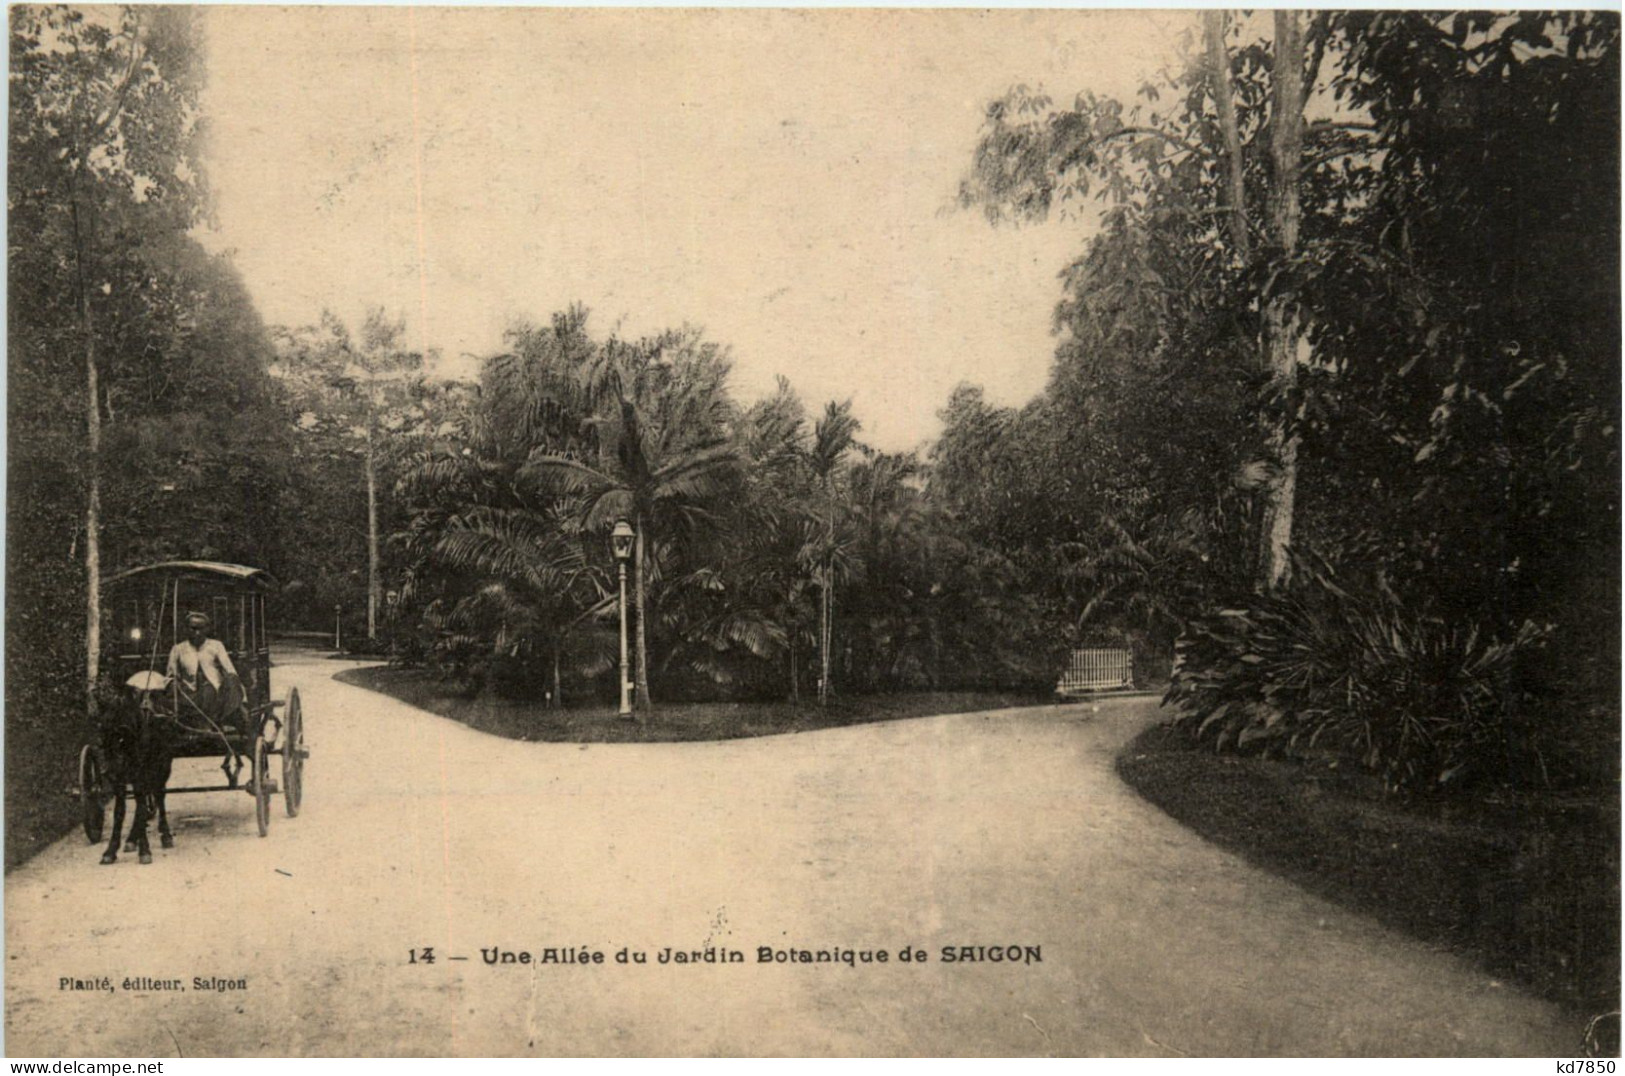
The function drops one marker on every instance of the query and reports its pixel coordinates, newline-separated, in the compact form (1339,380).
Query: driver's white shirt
(211,658)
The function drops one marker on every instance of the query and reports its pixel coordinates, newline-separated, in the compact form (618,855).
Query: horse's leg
(143,807)
(144,815)
(130,844)
(165,838)
(136,821)
(111,855)
(137,841)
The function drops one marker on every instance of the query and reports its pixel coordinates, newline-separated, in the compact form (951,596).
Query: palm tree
(511,571)
(1142,571)
(890,546)
(538,583)
(833,437)
(662,451)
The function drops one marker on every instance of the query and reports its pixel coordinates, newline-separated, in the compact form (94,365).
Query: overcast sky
(783,179)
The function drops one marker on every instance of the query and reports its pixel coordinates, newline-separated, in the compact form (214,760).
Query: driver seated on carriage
(211,694)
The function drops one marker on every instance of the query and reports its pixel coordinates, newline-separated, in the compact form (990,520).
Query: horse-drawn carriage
(162,713)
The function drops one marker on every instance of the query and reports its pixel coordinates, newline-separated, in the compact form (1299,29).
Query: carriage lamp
(135,635)
(620,541)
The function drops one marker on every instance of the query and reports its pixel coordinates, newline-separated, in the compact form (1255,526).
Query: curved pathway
(974,829)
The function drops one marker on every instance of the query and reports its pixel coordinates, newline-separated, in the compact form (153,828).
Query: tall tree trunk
(644,701)
(823,639)
(1213,24)
(795,682)
(1282,325)
(936,656)
(826,631)
(83,241)
(558,683)
(374,585)
(93,512)
(93,445)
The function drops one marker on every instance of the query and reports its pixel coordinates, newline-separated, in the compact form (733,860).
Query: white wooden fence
(1096,670)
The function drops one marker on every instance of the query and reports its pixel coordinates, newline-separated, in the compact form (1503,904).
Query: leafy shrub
(1321,666)
(518,675)
(408,649)
(461,661)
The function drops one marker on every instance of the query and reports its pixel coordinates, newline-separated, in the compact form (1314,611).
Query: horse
(137,747)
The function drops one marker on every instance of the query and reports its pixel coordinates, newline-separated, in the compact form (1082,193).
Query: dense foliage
(120,323)
(1331,305)
(357,407)
(1349,669)
(774,555)
(1449,420)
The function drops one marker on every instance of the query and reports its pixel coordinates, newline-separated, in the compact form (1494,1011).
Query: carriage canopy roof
(202,570)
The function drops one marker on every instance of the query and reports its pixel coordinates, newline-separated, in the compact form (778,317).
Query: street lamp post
(620,540)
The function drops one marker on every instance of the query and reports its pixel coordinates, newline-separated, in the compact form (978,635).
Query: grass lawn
(670,722)
(1528,886)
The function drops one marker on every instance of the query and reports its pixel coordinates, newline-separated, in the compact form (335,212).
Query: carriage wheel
(262,786)
(293,755)
(90,793)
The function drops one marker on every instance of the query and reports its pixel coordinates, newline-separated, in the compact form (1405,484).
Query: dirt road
(971,830)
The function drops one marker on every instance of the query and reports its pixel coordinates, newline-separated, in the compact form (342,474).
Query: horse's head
(128,715)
